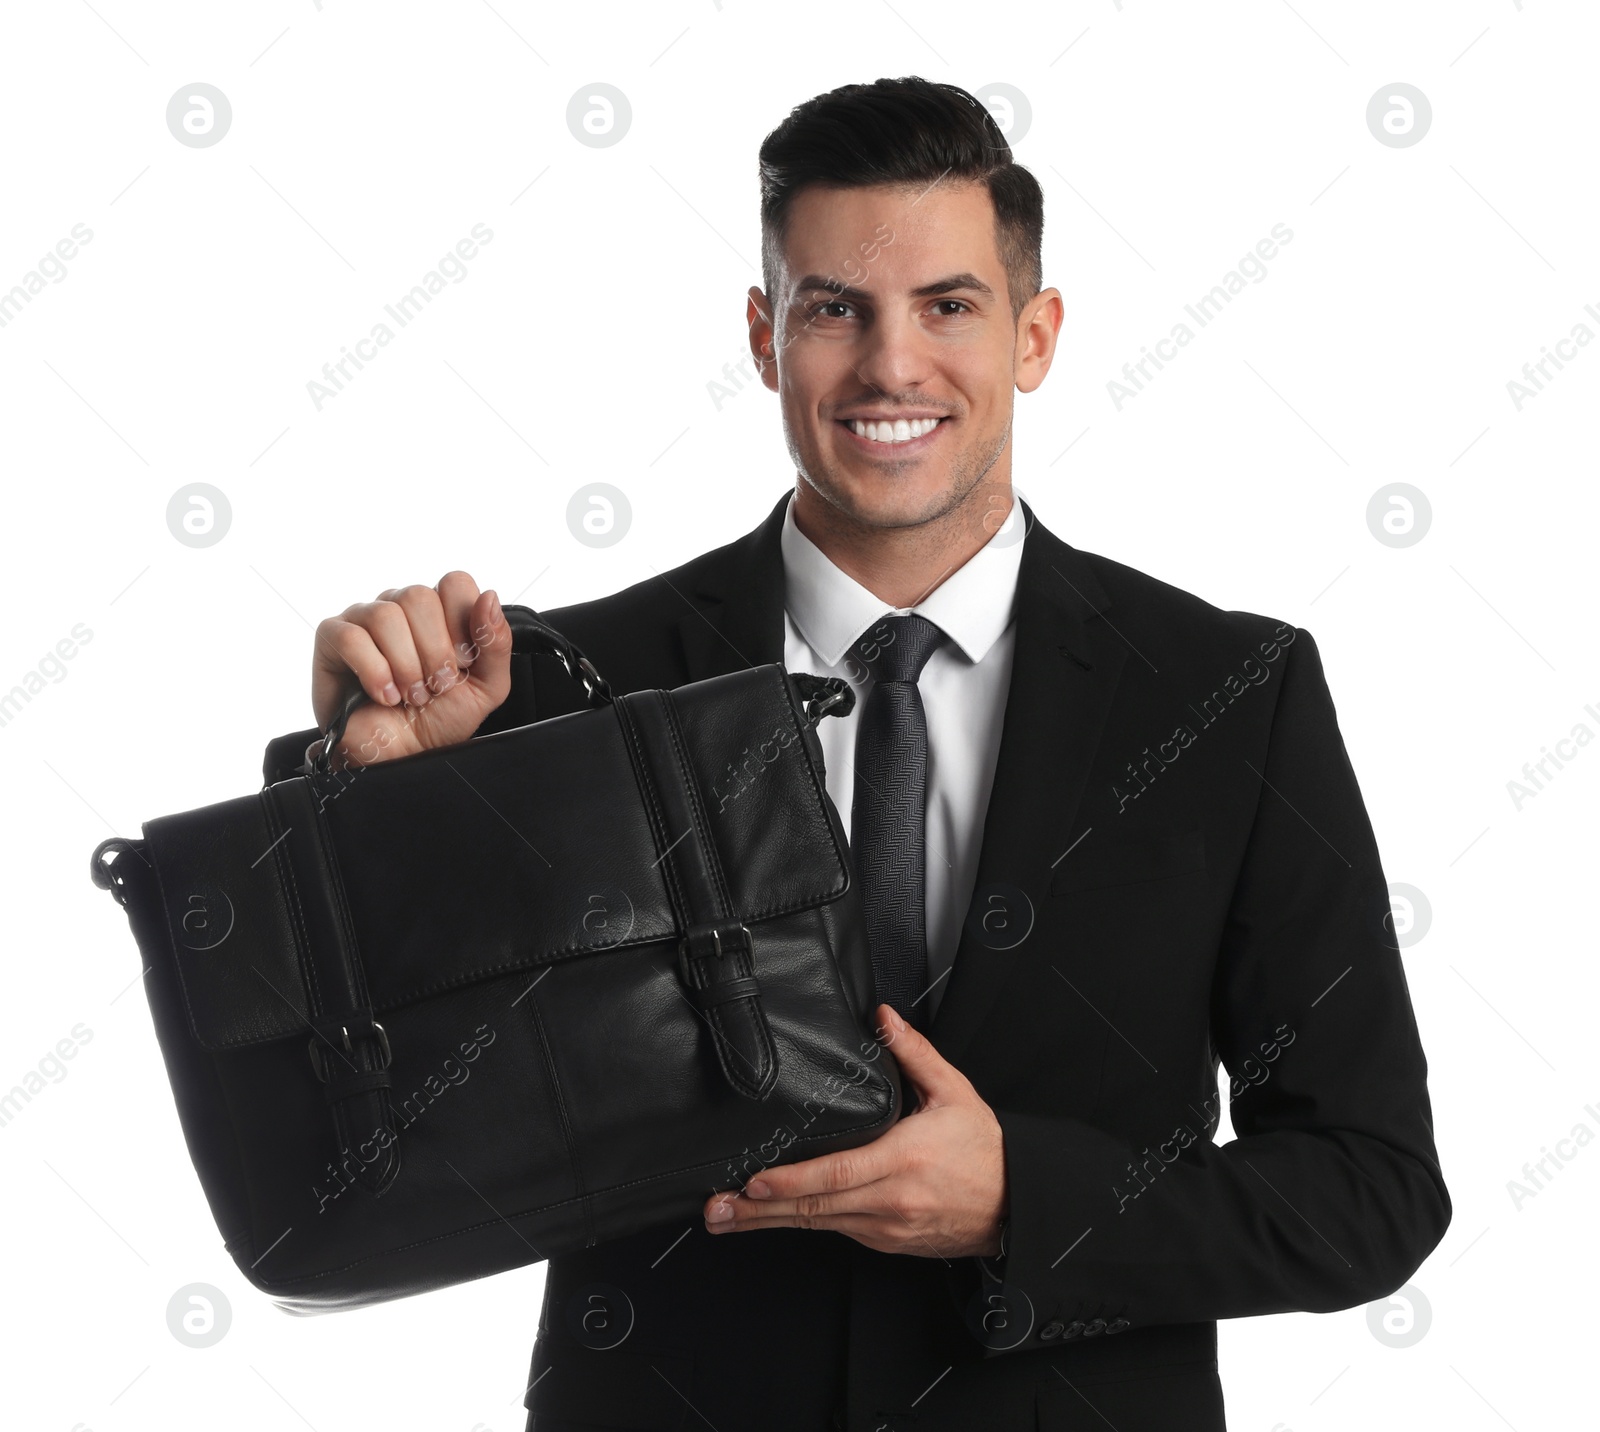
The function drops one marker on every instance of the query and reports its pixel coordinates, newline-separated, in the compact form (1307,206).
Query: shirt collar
(973,605)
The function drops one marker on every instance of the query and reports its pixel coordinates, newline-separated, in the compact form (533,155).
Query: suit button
(1074,1329)
(1051,1330)
(1117,1325)
(1095,1328)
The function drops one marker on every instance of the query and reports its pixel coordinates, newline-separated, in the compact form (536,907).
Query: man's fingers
(435,659)
(458,594)
(863,1227)
(394,631)
(490,646)
(934,1079)
(801,1212)
(345,647)
(829,1173)
(430,637)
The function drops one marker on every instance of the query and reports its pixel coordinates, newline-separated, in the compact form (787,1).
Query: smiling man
(1107,836)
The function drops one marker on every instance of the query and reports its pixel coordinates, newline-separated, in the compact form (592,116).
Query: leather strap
(340,1087)
(532,634)
(716,955)
(722,992)
(348,1048)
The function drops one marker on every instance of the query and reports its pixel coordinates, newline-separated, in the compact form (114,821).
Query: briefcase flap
(509,852)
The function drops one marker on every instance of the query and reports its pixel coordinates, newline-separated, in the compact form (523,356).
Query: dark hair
(905,131)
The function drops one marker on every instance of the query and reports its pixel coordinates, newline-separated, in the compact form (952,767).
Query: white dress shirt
(963,689)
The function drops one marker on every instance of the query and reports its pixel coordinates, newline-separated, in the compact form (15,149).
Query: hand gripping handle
(530,635)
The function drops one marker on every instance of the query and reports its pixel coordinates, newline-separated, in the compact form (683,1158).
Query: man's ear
(763,339)
(1038,328)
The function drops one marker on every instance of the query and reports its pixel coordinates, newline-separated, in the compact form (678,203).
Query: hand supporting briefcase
(439,1017)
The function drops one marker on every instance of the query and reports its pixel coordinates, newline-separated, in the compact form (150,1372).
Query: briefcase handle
(819,695)
(532,635)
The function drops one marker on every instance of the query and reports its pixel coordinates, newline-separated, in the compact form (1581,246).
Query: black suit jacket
(1177,869)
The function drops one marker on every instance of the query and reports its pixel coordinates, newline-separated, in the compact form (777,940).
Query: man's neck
(902,565)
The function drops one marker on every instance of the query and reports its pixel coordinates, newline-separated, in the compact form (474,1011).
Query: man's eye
(821,310)
(956,301)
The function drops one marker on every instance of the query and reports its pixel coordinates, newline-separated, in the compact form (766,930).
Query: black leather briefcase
(447,1015)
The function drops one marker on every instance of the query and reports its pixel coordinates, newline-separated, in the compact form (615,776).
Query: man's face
(893,317)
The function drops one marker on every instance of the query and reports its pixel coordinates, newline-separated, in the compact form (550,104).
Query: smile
(898,432)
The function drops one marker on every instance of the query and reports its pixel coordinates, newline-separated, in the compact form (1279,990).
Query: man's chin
(879,499)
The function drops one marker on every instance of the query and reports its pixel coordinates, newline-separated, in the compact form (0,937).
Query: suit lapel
(735,606)
(1065,669)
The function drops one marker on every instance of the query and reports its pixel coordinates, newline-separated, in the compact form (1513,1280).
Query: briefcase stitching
(664,842)
(658,823)
(330,863)
(716,1018)
(291,892)
(691,784)
(342,1135)
(568,1135)
(755,1010)
(356,973)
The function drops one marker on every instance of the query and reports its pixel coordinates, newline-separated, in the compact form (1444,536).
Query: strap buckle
(692,945)
(319,1060)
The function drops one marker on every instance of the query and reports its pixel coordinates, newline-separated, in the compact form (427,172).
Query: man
(1108,836)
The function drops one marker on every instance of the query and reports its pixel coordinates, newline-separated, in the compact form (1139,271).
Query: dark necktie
(887,809)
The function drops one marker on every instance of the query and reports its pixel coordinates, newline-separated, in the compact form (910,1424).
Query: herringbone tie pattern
(887,809)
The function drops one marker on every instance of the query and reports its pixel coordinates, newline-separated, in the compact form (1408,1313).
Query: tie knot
(896,648)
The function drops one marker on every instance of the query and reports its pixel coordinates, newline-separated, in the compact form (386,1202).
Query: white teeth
(898,431)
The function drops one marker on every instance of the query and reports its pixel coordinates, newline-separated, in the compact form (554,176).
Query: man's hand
(435,661)
(933,1186)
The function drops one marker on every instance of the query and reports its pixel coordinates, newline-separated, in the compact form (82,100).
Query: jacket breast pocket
(1108,858)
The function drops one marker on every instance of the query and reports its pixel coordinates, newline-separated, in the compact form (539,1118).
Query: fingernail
(756,1188)
(444,678)
(419,694)
(494,606)
(720,1212)
(391,694)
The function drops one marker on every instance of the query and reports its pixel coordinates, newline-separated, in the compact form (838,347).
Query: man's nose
(895,354)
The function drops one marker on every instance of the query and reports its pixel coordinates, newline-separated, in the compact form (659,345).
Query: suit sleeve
(1331,1194)
(285,755)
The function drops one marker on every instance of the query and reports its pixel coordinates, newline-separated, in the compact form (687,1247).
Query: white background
(366,141)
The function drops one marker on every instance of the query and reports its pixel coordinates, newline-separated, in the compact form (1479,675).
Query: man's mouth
(892,432)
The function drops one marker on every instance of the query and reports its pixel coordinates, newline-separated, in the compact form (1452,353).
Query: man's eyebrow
(967,282)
